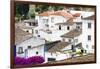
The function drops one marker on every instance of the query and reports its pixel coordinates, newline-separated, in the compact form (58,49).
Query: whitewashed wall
(58,56)
(57,19)
(33,42)
(79,38)
(87,32)
(40,50)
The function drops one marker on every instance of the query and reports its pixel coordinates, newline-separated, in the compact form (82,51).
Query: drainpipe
(73,47)
(26,53)
(44,52)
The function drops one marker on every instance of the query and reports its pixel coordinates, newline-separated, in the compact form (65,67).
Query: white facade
(33,51)
(49,30)
(52,20)
(57,56)
(43,21)
(88,44)
(32,42)
(49,23)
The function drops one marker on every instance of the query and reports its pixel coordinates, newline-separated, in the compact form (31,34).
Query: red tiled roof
(70,20)
(76,14)
(46,13)
(61,13)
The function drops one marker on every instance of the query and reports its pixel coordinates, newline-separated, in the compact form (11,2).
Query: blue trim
(14,51)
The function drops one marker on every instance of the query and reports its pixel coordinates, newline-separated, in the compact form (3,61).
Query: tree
(56,8)
(41,8)
(22,10)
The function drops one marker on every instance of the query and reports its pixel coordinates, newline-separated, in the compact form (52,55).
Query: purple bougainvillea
(20,61)
(30,60)
(36,59)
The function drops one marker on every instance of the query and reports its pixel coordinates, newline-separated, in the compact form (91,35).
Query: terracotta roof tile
(76,14)
(70,20)
(47,13)
(61,13)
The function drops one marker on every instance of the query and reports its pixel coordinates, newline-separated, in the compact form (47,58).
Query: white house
(88,33)
(56,33)
(29,25)
(51,24)
(27,46)
(71,29)
(53,51)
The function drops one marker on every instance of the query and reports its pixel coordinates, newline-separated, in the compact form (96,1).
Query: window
(29,47)
(37,52)
(81,16)
(89,37)
(45,20)
(46,25)
(27,31)
(20,50)
(69,40)
(77,27)
(33,24)
(72,47)
(63,39)
(52,19)
(29,23)
(51,59)
(59,27)
(36,31)
(68,28)
(89,25)
(38,35)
